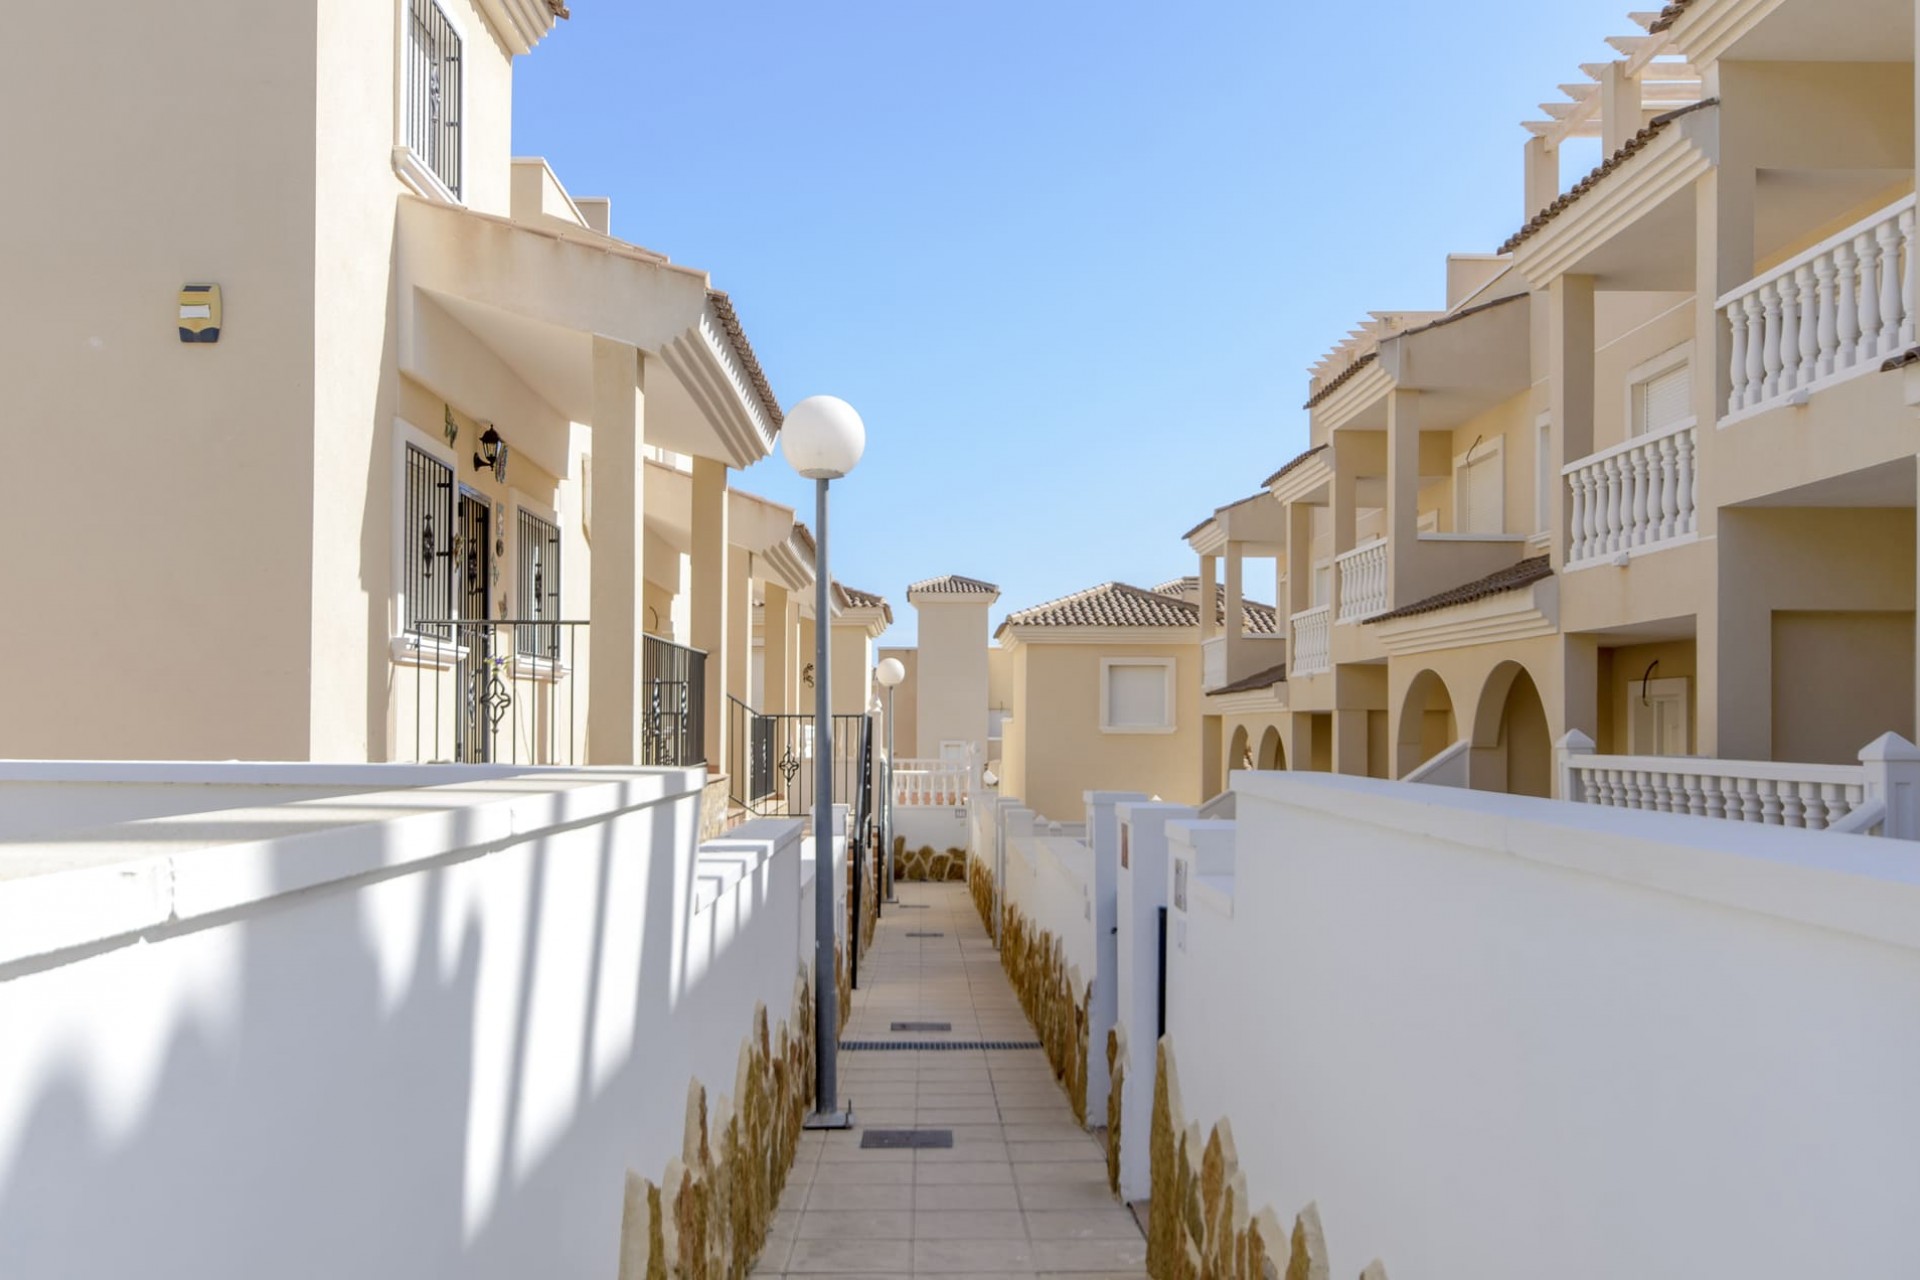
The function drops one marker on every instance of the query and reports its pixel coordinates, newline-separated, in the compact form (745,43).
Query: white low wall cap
(1861,885)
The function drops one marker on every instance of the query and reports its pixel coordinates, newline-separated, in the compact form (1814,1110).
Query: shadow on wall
(442,1072)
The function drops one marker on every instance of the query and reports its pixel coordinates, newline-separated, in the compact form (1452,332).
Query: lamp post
(890,673)
(823,439)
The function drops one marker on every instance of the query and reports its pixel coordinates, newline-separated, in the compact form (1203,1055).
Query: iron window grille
(538,587)
(434,91)
(428,548)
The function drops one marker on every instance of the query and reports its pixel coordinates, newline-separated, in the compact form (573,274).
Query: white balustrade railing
(1879,793)
(1362,577)
(1838,309)
(1213,663)
(1312,651)
(1632,495)
(931,784)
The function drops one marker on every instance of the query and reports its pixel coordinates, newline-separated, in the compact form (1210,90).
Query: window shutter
(1665,400)
(1137,697)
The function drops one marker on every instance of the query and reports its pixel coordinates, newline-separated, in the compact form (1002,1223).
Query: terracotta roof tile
(1259,680)
(953,585)
(558,8)
(1512,578)
(1669,15)
(730,321)
(854,598)
(1340,380)
(1634,145)
(1115,604)
(1291,467)
(1178,587)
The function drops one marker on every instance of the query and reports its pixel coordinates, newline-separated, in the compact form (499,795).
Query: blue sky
(1070,261)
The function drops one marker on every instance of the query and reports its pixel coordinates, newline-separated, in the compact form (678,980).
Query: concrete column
(1403,496)
(1580,691)
(1209,608)
(1350,741)
(1570,371)
(1299,733)
(740,624)
(777,658)
(1543,177)
(1299,562)
(707,597)
(1346,487)
(1212,757)
(615,683)
(1621,115)
(1236,616)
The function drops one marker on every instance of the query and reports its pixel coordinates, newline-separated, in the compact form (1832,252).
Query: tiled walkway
(1023,1192)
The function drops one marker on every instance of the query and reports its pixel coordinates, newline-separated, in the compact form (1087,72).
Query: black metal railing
(770,764)
(434,91)
(480,696)
(674,704)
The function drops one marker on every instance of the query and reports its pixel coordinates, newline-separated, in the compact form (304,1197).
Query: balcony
(1637,495)
(1362,582)
(1830,314)
(1312,641)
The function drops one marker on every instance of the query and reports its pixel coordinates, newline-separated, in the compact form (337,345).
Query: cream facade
(452,483)
(1648,477)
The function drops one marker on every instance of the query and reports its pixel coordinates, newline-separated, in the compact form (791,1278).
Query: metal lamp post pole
(826,1000)
(886,827)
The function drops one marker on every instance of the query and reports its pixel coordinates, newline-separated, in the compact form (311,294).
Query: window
(433,92)
(1660,393)
(538,586)
(1479,489)
(1136,695)
(427,542)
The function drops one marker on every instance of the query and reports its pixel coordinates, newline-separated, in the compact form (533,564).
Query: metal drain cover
(926,935)
(912,906)
(921,1026)
(907,1139)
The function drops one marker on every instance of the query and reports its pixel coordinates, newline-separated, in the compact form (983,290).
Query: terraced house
(404,456)
(1645,482)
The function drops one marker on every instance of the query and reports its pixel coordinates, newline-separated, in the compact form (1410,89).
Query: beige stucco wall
(1061,752)
(162,586)
(954,684)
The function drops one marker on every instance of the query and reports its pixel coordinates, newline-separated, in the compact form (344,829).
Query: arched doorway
(1273,753)
(1239,751)
(1427,723)
(1512,745)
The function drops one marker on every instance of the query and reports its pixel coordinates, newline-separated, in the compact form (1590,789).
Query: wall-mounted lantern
(492,455)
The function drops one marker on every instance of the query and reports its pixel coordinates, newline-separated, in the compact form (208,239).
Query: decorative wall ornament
(450,428)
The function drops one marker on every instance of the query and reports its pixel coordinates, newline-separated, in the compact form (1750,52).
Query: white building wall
(358,1031)
(1503,1038)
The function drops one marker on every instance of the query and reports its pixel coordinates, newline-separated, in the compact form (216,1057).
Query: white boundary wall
(325,1021)
(1506,1038)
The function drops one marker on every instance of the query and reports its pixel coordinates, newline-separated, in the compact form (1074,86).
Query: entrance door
(484,694)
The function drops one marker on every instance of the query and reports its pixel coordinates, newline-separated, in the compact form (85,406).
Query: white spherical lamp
(823,438)
(890,672)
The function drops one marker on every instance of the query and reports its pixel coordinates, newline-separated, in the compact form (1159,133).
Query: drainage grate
(912,906)
(897,1046)
(909,1139)
(921,1026)
(926,935)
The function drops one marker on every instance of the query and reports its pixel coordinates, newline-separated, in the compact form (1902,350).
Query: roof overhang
(873,619)
(1467,365)
(1247,702)
(1310,482)
(1258,523)
(1634,228)
(1011,636)
(1511,615)
(1776,31)
(520,24)
(536,297)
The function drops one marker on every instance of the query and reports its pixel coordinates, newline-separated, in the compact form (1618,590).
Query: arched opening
(1273,753)
(1427,723)
(1512,745)
(1239,751)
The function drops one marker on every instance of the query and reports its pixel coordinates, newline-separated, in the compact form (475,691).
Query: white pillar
(615,680)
